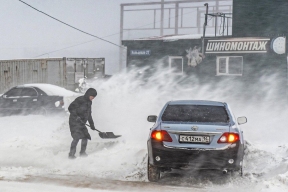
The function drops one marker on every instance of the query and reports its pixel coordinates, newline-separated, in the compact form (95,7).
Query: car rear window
(195,113)
(28,92)
(40,92)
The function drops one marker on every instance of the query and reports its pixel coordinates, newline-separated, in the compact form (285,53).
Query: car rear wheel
(241,168)
(153,172)
(241,171)
(238,171)
(43,111)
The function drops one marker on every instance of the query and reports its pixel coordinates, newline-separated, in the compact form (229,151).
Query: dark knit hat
(90,92)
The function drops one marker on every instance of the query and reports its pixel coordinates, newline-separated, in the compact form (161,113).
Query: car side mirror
(241,120)
(152,118)
(4,96)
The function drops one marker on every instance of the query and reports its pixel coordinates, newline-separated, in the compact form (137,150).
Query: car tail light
(161,136)
(59,103)
(228,138)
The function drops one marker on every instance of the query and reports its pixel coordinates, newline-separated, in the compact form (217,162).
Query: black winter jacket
(80,113)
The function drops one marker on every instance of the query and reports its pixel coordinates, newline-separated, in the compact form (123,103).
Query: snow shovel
(106,135)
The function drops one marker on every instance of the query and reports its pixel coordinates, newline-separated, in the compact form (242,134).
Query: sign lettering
(239,45)
(140,52)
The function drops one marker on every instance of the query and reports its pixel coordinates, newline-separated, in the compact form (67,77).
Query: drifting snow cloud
(38,145)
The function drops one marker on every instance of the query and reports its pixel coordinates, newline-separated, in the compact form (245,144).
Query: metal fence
(64,72)
(173,18)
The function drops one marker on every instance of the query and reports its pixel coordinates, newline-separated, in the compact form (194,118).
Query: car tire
(43,111)
(153,172)
(238,171)
(241,172)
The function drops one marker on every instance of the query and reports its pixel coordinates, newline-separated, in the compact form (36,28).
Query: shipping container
(64,72)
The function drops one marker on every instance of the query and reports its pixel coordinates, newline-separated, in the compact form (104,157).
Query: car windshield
(195,113)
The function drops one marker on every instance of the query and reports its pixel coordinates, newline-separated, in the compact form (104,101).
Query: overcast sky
(26,33)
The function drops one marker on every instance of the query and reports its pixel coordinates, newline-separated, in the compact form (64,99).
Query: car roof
(50,89)
(195,102)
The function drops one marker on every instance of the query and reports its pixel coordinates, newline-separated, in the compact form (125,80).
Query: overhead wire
(109,36)
(70,25)
(87,32)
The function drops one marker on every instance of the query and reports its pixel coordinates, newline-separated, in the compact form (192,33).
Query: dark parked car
(33,99)
(195,134)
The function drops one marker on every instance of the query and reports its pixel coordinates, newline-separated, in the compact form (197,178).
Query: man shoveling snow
(80,113)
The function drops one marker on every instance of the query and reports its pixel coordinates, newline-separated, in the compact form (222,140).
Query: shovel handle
(95,129)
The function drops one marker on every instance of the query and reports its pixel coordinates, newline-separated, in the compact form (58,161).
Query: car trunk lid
(194,135)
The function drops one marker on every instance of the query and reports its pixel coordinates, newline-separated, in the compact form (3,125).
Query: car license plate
(194,139)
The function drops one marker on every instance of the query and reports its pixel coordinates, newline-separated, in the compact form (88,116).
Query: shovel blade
(108,135)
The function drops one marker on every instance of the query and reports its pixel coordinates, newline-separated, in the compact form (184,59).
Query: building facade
(255,52)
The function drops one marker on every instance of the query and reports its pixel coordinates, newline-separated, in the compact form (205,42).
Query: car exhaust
(224,171)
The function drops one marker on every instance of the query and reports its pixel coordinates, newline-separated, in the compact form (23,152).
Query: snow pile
(176,37)
(36,187)
(38,145)
(54,90)
(49,89)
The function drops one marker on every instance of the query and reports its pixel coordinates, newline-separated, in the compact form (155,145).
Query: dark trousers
(74,145)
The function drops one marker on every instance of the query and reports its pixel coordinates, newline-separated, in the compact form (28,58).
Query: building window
(229,65)
(176,64)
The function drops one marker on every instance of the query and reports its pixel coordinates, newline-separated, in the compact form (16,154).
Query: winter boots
(84,154)
(71,156)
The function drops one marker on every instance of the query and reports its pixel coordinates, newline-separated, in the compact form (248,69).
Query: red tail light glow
(228,138)
(161,136)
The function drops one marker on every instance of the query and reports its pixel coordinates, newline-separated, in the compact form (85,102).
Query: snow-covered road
(34,148)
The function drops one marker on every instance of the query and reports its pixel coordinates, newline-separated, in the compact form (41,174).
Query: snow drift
(39,145)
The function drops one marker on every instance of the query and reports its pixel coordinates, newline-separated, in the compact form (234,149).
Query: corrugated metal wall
(56,71)
(17,72)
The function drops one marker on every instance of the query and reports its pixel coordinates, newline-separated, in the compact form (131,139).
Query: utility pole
(162,18)
(121,37)
(176,18)
(204,27)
